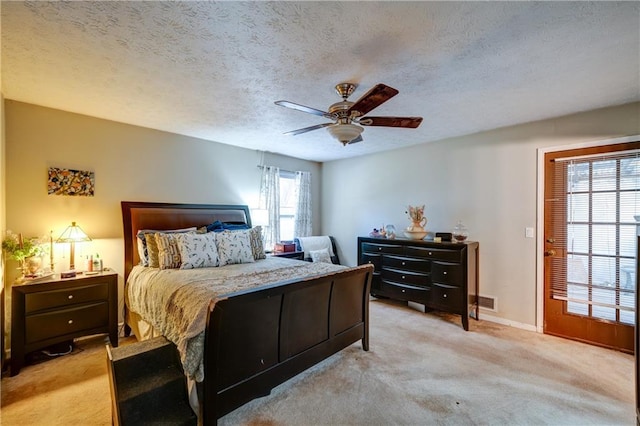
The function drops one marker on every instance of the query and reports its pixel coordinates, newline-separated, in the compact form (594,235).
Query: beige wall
(130,164)
(487,180)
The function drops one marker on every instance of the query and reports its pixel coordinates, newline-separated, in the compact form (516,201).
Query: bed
(257,337)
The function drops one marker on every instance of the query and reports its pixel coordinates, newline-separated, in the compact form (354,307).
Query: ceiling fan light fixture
(345,133)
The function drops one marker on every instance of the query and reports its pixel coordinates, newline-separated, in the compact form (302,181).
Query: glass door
(592,200)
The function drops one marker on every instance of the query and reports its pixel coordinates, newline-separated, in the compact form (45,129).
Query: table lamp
(73,234)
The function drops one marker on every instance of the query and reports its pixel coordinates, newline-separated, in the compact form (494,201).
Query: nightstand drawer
(57,323)
(65,297)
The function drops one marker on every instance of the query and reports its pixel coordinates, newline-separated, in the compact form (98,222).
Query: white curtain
(270,200)
(302,221)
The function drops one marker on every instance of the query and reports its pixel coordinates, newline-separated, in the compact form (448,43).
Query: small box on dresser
(441,276)
(59,309)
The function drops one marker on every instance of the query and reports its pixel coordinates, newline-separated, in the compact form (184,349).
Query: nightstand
(56,310)
(289,254)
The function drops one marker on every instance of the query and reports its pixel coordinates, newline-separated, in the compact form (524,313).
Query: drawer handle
(369,261)
(445,272)
(70,322)
(430,254)
(403,263)
(403,277)
(379,248)
(403,291)
(444,295)
(262,361)
(70,296)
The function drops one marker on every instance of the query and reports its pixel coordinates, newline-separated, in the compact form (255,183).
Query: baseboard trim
(510,323)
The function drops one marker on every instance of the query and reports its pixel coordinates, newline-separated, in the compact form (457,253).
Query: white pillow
(197,250)
(320,255)
(233,247)
(142,243)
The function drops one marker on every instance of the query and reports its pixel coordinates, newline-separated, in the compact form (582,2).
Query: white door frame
(540,215)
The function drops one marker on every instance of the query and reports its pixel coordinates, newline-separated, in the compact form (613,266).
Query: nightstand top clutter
(52,278)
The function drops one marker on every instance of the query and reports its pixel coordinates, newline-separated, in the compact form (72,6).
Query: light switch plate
(529,232)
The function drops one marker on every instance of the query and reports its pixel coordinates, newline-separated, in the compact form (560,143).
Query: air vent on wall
(488,302)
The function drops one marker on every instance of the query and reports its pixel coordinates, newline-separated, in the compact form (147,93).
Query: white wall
(487,180)
(130,164)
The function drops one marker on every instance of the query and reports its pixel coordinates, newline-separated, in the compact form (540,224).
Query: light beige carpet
(421,369)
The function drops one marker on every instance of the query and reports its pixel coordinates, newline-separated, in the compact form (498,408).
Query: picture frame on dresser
(442,276)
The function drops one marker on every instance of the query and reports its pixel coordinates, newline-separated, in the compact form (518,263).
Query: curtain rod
(282,170)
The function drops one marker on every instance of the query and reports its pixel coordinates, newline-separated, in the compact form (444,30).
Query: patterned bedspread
(175,301)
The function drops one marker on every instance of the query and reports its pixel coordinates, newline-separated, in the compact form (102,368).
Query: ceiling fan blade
(356,140)
(303,108)
(307,129)
(378,94)
(408,122)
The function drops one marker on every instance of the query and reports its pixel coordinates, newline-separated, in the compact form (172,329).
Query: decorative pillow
(143,252)
(152,250)
(168,253)
(234,247)
(320,255)
(218,226)
(257,244)
(197,250)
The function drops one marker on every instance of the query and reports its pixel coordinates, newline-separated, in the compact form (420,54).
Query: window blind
(596,201)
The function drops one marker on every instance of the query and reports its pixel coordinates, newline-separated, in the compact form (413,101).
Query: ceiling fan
(348,117)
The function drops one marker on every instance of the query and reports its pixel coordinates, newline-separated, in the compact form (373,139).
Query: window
(286,198)
(602,196)
(287,205)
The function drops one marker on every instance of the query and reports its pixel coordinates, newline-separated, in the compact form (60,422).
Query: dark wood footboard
(258,339)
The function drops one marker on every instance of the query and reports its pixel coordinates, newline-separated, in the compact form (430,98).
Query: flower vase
(33,264)
(417,225)
(416,230)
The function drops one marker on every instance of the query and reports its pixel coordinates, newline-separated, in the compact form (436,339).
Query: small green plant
(32,246)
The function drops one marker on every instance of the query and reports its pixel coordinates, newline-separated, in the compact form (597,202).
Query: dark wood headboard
(160,216)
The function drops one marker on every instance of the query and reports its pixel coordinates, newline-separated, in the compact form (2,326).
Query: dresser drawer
(446,297)
(65,297)
(405,292)
(405,277)
(407,263)
(382,248)
(372,258)
(375,282)
(447,273)
(434,253)
(66,321)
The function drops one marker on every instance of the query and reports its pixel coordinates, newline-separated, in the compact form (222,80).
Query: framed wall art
(71,182)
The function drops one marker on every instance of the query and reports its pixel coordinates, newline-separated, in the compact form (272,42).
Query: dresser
(441,276)
(56,310)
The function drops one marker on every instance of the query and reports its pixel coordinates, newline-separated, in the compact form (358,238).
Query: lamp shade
(73,234)
(345,133)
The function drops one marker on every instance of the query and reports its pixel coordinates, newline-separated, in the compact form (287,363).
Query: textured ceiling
(213,69)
